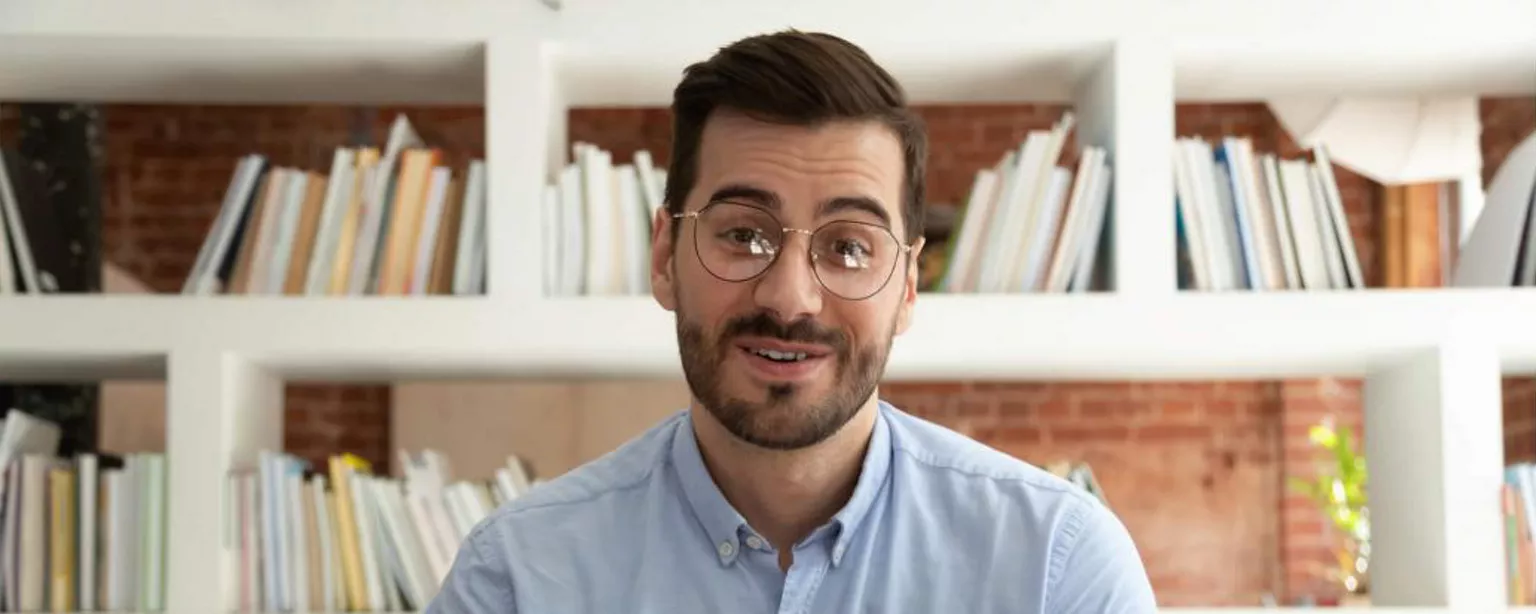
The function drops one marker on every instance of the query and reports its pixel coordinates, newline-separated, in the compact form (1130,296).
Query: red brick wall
(1519,419)
(1506,121)
(1196,469)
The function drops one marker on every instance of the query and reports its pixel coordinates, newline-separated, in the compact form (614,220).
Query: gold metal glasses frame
(694,215)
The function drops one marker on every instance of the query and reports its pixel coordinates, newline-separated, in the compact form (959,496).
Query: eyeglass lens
(738,242)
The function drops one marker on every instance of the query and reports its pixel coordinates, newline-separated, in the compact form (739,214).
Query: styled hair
(797,78)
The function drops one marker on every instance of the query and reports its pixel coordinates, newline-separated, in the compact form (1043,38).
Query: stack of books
(1251,221)
(341,538)
(396,222)
(1030,223)
(597,223)
(80,534)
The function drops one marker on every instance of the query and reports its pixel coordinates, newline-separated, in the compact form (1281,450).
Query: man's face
(778,359)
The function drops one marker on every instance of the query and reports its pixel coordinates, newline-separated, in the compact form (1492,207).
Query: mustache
(804,330)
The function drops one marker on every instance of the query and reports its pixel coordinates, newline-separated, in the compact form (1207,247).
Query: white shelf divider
(1127,107)
(517,120)
(222,410)
(1434,442)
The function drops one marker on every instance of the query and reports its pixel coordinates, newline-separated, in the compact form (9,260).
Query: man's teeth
(780,356)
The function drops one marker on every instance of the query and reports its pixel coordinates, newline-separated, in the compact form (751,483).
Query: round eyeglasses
(736,242)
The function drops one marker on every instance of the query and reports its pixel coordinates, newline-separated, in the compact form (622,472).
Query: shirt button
(754,542)
(727,549)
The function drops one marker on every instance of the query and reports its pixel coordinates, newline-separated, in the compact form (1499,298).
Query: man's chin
(778,428)
(769,392)
(780,416)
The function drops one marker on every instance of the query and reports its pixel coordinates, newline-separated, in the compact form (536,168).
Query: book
(1034,221)
(1255,221)
(374,222)
(597,220)
(78,532)
(342,538)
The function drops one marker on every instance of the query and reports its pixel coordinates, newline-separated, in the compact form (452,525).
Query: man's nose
(789,288)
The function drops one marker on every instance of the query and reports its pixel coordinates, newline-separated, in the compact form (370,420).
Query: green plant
(1338,489)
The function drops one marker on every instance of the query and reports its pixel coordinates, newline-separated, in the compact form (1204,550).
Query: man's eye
(851,249)
(741,235)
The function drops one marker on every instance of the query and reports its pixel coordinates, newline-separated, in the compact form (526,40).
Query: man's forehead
(730,127)
(820,169)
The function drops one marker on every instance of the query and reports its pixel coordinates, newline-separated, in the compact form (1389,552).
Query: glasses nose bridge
(784,240)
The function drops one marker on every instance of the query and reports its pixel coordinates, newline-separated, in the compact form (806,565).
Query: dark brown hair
(795,78)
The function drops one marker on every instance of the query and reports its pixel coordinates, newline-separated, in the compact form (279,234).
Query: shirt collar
(721,522)
(724,525)
(871,485)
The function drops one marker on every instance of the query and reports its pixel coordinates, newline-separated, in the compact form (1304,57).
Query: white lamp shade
(1390,140)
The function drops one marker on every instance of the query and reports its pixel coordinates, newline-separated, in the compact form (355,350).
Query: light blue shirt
(937,524)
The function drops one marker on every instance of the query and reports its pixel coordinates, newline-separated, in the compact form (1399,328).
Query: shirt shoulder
(1081,553)
(948,455)
(628,466)
(559,530)
(583,501)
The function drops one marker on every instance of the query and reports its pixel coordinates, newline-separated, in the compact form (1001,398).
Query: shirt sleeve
(1099,570)
(476,583)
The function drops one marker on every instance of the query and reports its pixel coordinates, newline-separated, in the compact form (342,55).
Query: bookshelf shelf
(1431,358)
(621,52)
(326,51)
(1024,336)
(128,69)
(628,52)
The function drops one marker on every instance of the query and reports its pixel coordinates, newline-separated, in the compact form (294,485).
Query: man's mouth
(779,356)
(782,351)
(778,360)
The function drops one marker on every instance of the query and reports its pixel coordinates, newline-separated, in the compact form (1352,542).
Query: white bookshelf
(1431,358)
(1045,337)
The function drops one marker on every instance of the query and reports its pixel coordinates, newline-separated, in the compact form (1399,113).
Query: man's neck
(786,494)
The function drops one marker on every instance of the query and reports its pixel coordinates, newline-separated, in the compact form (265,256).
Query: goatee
(785,418)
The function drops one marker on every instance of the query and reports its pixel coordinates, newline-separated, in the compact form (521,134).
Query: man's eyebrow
(751,194)
(766,199)
(856,203)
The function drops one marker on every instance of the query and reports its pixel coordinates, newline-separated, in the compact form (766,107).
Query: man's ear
(909,287)
(662,271)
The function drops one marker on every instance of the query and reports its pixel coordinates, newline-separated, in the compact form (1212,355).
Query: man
(788,251)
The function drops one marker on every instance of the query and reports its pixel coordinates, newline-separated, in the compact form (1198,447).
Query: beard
(786,418)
